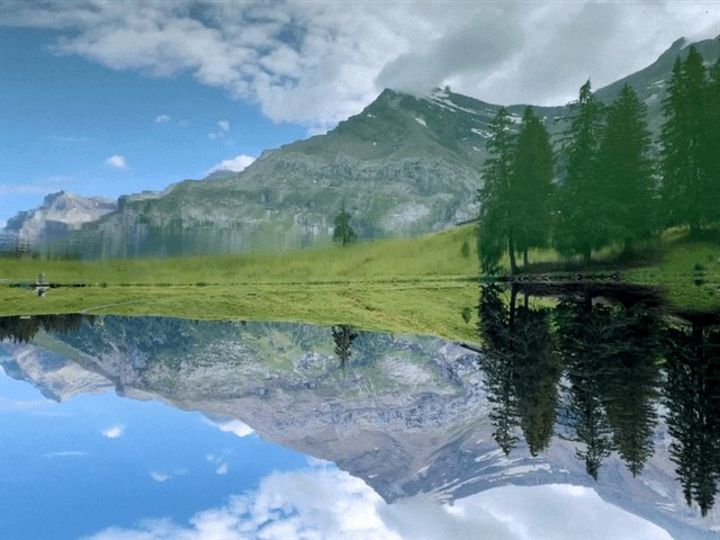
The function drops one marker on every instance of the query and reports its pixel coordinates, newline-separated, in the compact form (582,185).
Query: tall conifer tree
(581,225)
(495,229)
(626,171)
(531,185)
(686,191)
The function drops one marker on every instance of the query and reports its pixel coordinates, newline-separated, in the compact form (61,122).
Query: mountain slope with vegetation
(405,165)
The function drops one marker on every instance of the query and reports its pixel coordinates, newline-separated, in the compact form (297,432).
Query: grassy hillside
(436,256)
(421,285)
(425,285)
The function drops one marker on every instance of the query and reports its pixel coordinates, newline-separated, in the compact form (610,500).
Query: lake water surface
(594,414)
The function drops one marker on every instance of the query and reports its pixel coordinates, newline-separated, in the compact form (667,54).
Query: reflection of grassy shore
(419,285)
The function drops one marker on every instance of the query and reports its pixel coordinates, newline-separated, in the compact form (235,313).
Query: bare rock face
(407,414)
(405,165)
(60,214)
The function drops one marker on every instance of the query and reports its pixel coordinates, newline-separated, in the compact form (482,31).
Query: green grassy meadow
(423,285)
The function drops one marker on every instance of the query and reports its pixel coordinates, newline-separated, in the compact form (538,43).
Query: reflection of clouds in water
(231,425)
(324,503)
(65,453)
(113,432)
(160,477)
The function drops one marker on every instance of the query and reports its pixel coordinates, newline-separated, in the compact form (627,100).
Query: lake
(578,412)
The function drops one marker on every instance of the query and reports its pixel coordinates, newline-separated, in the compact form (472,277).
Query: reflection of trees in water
(610,354)
(23,329)
(521,370)
(343,336)
(692,397)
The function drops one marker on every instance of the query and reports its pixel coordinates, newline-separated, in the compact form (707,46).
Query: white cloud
(317,63)
(65,453)
(160,477)
(222,466)
(330,504)
(113,432)
(117,161)
(162,118)
(236,164)
(224,125)
(27,405)
(231,425)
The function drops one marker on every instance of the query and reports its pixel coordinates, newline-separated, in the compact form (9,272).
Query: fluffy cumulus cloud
(162,118)
(317,63)
(117,161)
(232,425)
(236,164)
(324,503)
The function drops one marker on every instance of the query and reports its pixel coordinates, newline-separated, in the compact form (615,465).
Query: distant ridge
(405,165)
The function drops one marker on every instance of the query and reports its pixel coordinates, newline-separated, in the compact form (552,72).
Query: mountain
(52,222)
(408,414)
(405,165)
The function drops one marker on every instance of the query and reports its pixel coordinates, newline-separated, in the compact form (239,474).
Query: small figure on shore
(41,286)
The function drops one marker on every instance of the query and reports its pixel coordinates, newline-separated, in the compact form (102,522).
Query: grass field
(424,285)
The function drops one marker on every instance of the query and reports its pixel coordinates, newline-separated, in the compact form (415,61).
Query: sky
(103,467)
(104,97)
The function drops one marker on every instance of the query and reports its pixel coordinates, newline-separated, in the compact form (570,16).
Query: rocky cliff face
(403,166)
(60,214)
(408,415)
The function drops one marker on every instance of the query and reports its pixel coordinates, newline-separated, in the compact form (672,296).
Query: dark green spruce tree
(693,404)
(536,374)
(582,210)
(711,149)
(583,331)
(343,233)
(631,385)
(496,233)
(687,187)
(626,171)
(343,336)
(531,186)
(495,322)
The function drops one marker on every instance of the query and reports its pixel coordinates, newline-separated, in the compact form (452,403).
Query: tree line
(610,182)
(595,373)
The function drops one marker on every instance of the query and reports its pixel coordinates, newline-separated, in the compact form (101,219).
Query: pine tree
(631,385)
(343,234)
(582,335)
(531,185)
(494,326)
(536,372)
(693,403)
(687,193)
(494,196)
(343,336)
(582,212)
(711,149)
(626,170)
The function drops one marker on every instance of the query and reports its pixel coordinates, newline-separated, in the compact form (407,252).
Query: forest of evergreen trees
(609,183)
(618,362)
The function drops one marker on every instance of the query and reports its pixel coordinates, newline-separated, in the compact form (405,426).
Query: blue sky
(84,81)
(103,467)
(77,467)
(63,117)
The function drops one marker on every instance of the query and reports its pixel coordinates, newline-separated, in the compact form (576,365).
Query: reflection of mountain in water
(408,414)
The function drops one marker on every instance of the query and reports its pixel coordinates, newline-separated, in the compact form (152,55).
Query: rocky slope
(53,221)
(404,165)
(408,415)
